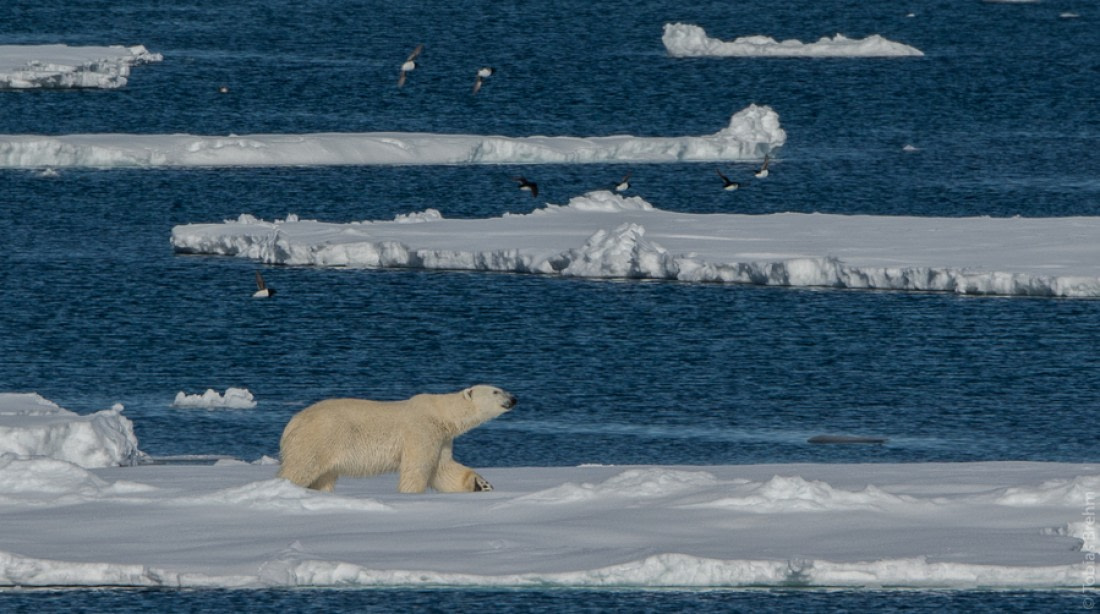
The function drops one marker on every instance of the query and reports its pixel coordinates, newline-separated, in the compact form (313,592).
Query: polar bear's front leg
(452,476)
(456,477)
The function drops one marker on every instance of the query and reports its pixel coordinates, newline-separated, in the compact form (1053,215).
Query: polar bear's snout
(500,397)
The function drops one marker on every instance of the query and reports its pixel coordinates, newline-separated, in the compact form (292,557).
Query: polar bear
(359,437)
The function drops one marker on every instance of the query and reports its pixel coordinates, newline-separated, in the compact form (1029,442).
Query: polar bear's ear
(468,393)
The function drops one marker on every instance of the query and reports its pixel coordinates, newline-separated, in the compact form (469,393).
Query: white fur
(359,437)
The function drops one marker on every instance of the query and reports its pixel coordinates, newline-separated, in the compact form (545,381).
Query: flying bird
(409,65)
(624,183)
(727,183)
(483,73)
(763,171)
(529,186)
(262,291)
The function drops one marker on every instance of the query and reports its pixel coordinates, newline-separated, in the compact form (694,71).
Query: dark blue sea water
(548,601)
(96,309)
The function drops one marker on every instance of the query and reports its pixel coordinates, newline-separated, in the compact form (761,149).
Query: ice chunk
(234,398)
(31,427)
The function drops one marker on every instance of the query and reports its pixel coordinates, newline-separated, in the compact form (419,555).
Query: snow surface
(70,521)
(606,235)
(752,133)
(686,40)
(234,398)
(63,67)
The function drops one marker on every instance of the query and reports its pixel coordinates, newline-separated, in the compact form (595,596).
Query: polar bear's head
(490,401)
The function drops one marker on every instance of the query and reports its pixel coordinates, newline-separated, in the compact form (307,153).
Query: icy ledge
(685,40)
(64,67)
(32,427)
(752,132)
(604,235)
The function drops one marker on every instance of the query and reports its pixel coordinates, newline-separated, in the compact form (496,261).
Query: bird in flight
(624,183)
(262,291)
(727,183)
(763,171)
(483,73)
(409,65)
(529,186)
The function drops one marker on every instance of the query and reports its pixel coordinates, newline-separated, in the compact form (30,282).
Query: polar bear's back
(353,436)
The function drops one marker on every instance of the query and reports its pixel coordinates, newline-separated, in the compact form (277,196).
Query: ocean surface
(1001,116)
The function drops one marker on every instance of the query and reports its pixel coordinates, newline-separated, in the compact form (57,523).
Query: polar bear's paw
(481,484)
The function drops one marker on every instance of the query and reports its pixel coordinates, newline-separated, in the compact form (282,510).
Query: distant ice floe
(686,40)
(31,426)
(234,398)
(65,67)
(752,133)
(605,235)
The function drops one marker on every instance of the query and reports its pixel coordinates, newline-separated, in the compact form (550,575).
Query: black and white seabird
(409,65)
(624,183)
(727,183)
(763,171)
(483,73)
(262,291)
(530,186)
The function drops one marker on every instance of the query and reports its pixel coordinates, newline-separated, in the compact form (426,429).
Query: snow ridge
(31,426)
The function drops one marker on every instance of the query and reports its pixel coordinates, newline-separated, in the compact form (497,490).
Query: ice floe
(73,521)
(752,133)
(685,40)
(234,398)
(64,67)
(606,235)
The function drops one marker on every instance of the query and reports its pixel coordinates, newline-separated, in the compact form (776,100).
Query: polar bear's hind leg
(326,482)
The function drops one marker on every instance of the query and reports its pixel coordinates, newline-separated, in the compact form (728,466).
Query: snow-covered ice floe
(64,67)
(606,235)
(31,426)
(234,398)
(752,133)
(234,524)
(685,40)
